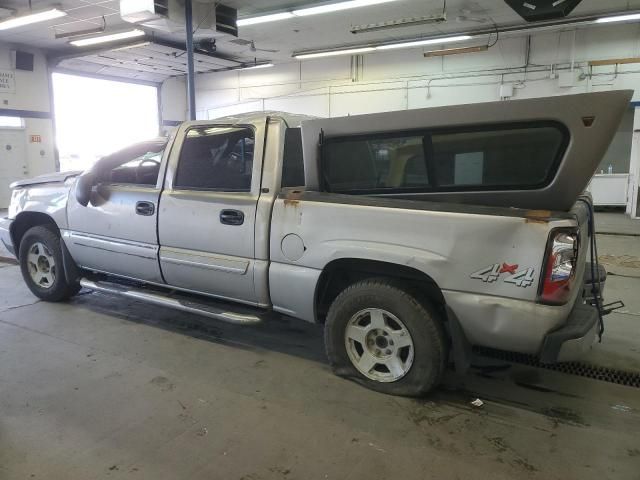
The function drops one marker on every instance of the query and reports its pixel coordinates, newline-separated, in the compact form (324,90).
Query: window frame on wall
(431,168)
(175,180)
(20,126)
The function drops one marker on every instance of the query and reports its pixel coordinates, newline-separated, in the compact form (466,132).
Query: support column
(191,87)
(633,197)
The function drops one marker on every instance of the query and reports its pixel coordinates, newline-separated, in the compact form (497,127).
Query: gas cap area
(292,247)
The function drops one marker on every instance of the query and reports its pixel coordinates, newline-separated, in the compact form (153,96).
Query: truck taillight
(559,267)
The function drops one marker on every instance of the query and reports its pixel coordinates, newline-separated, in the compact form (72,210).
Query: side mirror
(83,187)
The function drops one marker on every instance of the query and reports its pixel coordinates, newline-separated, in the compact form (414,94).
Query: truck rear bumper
(573,339)
(5,235)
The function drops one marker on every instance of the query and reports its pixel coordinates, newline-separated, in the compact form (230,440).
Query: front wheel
(42,267)
(381,336)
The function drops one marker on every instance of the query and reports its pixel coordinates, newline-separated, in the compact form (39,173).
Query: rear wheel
(381,336)
(41,264)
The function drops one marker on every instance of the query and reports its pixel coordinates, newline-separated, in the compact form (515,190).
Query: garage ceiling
(164,56)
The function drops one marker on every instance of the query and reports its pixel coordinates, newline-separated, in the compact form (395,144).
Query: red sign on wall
(35,139)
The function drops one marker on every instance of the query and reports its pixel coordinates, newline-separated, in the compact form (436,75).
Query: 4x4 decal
(521,278)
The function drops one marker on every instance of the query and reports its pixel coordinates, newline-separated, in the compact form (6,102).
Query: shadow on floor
(280,334)
(511,385)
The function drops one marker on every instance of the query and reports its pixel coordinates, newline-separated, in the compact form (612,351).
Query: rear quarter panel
(448,243)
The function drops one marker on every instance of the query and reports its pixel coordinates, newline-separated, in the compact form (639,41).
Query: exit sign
(35,139)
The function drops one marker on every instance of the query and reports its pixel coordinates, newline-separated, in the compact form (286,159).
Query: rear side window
(517,157)
(394,162)
(292,162)
(216,158)
(520,157)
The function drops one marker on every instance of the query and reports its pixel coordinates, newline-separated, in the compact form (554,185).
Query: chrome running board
(212,309)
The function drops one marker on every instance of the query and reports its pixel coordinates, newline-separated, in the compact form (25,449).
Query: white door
(13,162)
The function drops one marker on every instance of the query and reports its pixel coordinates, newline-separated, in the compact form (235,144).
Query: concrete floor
(105,388)
(616,223)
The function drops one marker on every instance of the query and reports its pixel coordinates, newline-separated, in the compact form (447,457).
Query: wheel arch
(26,220)
(339,274)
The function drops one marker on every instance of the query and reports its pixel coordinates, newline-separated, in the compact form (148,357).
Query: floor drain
(611,375)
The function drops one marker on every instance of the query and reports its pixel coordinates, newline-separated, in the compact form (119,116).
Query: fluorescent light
(264,19)
(262,65)
(22,20)
(107,38)
(133,45)
(354,50)
(331,53)
(303,12)
(79,33)
(402,23)
(456,51)
(336,7)
(619,18)
(418,43)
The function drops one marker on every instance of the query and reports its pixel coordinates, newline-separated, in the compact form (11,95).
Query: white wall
(404,79)
(401,79)
(32,94)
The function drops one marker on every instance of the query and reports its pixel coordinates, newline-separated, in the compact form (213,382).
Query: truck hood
(59,177)
(591,119)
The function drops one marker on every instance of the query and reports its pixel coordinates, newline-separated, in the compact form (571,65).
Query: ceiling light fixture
(456,51)
(619,18)
(337,7)
(264,19)
(388,46)
(303,12)
(22,20)
(79,33)
(429,41)
(254,67)
(112,37)
(133,45)
(331,53)
(401,23)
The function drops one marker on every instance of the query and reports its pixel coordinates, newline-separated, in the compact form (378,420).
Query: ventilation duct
(213,19)
(537,10)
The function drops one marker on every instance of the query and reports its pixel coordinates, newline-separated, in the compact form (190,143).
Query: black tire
(419,318)
(60,288)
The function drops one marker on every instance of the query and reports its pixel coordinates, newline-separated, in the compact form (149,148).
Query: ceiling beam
(54,57)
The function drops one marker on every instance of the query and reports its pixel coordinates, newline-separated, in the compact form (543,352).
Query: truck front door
(116,232)
(208,210)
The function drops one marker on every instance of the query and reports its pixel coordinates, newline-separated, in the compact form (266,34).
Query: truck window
(486,158)
(138,164)
(519,157)
(386,162)
(292,161)
(216,158)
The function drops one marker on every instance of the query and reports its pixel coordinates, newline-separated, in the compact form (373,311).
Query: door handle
(231,217)
(145,208)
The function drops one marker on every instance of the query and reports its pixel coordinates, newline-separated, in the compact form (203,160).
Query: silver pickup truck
(412,236)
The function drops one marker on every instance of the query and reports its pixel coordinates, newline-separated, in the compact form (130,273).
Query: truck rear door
(208,208)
